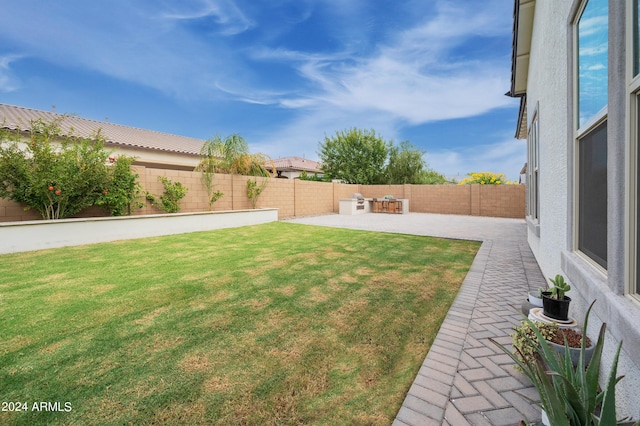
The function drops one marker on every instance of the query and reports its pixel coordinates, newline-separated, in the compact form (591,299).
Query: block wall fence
(305,198)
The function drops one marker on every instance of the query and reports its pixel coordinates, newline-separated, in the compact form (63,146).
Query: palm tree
(230,156)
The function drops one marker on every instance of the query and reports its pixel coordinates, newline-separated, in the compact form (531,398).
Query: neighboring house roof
(290,164)
(19,118)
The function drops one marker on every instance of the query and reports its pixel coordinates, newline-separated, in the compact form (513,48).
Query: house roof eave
(523,13)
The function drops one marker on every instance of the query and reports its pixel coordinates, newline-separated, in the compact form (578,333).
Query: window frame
(579,132)
(533,168)
(632,151)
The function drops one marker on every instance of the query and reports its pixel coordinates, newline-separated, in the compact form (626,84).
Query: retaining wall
(41,234)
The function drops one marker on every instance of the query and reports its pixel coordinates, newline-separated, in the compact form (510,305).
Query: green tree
(123,190)
(56,175)
(406,164)
(354,156)
(431,177)
(314,177)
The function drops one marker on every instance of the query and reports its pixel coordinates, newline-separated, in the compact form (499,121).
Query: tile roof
(297,163)
(19,118)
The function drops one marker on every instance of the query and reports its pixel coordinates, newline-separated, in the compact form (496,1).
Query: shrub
(485,178)
(169,201)
(123,190)
(254,190)
(56,175)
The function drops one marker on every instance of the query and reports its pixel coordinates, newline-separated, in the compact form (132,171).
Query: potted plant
(570,395)
(555,304)
(525,341)
(535,297)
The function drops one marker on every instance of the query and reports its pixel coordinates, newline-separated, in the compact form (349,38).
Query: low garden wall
(40,234)
(304,198)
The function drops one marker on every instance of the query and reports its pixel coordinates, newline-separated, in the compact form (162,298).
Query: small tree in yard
(209,163)
(254,189)
(169,201)
(56,181)
(123,190)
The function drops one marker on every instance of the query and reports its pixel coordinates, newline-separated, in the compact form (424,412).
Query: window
(533,207)
(591,136)
(636,37)
(592,60)
(637,224)
(592,204)
(634,88)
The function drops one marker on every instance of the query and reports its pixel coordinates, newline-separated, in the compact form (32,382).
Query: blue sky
(281,73)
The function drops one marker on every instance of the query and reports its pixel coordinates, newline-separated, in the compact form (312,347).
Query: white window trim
(632,166)
(533,168)
(600,118)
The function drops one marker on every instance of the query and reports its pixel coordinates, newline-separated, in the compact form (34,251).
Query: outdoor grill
(359,200)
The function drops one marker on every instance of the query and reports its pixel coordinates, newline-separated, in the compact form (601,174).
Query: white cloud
(411,78)
(506,157)
(417,74)
(224,13)
(8,81)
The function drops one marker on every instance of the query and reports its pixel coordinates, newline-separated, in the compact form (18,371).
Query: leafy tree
(354,156)
(56,175)
(431,177)
(314,177)
(123,190)
(406,164)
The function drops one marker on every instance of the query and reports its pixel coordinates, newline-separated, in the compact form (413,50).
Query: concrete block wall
(14,212)
(303,198)
(312,198)
(501,201)
(379,191)
(444,199)
(279,193)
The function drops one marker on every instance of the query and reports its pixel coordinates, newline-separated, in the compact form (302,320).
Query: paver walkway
(465,379)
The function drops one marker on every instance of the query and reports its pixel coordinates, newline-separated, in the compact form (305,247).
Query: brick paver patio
(465,379)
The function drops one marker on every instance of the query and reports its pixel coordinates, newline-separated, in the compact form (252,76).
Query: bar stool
(392,206)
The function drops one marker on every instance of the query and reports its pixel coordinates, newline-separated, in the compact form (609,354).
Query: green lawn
(271,324)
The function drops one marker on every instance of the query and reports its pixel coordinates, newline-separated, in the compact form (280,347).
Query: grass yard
(271,324)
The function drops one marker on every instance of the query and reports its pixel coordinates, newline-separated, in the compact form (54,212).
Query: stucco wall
(550,94)
(547,96)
